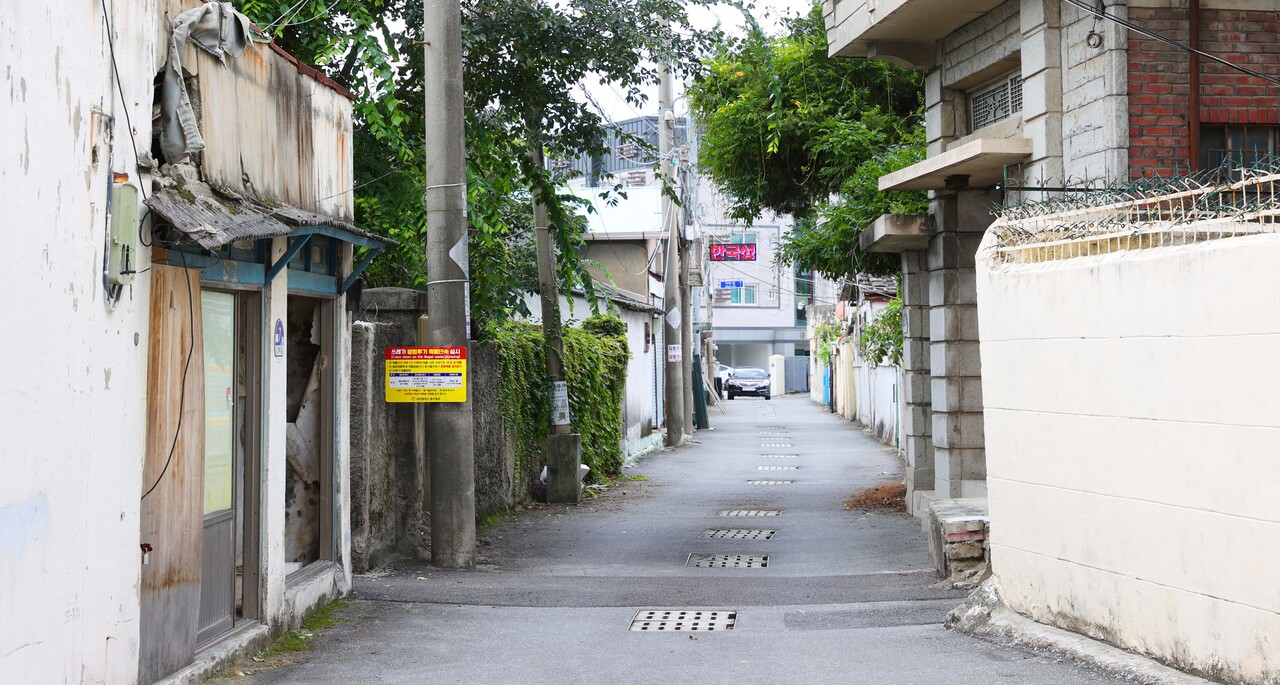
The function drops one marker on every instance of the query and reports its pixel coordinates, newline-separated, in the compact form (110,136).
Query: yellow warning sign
(426,374)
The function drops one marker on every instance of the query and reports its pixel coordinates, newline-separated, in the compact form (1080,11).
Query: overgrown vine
(595,360)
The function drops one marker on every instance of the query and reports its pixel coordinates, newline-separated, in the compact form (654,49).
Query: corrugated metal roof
(213,218)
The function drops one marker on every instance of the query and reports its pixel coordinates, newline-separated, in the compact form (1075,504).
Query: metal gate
(797,370)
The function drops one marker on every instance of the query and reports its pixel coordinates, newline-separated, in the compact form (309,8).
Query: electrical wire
(296,6)
(128,121)
(781,291)
(182,387)
(308,21)
(1102,13)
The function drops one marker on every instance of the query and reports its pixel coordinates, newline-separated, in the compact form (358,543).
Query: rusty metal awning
(213,218)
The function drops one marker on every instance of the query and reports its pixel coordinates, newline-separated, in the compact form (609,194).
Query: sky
(767,12)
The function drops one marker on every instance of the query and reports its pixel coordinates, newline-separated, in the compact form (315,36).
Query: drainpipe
(1193,122)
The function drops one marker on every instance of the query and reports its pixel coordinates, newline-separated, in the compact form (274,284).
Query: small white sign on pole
(560,403)
(675,353)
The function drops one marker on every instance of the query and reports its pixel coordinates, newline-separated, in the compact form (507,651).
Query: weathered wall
(877,406)
(388,448)
(1095,105)
(1132,420)
(388,456)
(494,441)
(73,368)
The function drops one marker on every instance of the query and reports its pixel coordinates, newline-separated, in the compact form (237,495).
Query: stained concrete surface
(847,597)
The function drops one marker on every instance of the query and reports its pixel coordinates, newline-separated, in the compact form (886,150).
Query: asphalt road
(846,596)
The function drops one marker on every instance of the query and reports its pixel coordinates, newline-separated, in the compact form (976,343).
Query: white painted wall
(72,373)
(1132,424)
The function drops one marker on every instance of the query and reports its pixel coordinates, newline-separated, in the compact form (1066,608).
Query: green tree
(523,62)
(787,129)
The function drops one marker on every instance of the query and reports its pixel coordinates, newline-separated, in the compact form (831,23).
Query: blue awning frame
(221,270)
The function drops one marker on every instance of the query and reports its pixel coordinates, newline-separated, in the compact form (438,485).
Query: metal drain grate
(777,468)
(770,482)
(750,512)
(671,620)
(774,433)
(776,444)
(780,456)
(737,534)
(728,560)
(773,428)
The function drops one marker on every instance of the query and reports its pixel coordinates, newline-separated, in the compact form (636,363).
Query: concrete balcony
(898,31)
(897,233)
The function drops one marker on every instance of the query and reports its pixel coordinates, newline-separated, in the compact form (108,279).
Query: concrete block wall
(917,422)
(1095,103)
(388,456)
(1134,395)
(1159,77)
(954,361)
(389,473)
(970,51)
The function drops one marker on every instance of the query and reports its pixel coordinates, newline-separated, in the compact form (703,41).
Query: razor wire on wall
(1140,214)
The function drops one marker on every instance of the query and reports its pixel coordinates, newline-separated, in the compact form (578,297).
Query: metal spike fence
(1141,214)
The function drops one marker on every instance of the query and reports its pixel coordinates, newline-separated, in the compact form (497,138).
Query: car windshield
(750,373)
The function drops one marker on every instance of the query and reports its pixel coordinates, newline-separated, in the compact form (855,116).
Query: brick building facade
(1239,115)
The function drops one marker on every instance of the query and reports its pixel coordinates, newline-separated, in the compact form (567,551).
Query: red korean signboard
(733,253)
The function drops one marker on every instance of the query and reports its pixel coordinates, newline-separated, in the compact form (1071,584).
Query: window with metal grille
(1228,149)
(995,102)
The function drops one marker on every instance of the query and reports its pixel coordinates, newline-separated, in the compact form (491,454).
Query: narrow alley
(831,595)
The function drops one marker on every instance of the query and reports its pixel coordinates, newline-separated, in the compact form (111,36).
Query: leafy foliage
(595,363)
(827,334)
(523,60)
(786,129)
(881,338)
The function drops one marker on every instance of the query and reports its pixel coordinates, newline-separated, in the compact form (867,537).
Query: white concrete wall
(1132,425)
(877,406)
(72,369)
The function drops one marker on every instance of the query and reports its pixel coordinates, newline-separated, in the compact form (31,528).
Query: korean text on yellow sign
(426,374)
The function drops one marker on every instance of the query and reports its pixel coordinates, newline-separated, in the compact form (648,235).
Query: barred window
(995,102)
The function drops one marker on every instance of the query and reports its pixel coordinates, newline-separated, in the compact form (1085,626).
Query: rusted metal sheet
(277,132)
(171,514)
(209,218)
(213,217)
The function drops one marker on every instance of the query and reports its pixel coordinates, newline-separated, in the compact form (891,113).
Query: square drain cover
(777,468)
(780,456)
(770,482)
(750,512)
(728,560)
(737,534)
(671,620)
(775,444)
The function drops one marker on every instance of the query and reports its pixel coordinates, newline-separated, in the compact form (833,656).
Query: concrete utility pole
(450,436)
(563,449)
(686,315)
(675,379)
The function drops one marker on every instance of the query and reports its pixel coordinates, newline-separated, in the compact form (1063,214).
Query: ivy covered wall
(595,364)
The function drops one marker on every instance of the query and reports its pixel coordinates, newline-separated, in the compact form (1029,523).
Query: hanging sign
(426,374)
(675,353)
(730,284)
(720,252)
(559,403)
